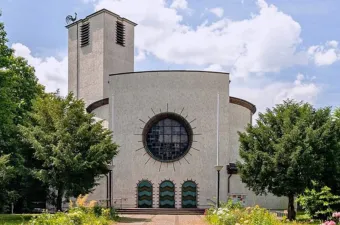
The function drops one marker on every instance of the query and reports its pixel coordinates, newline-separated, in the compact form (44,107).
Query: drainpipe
(110,188)
(231,169)
(107,190)
(229,184)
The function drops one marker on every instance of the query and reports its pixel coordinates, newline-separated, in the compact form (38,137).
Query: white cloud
(333,44)
(89,1)
(140,56)
(325,54)
(214,67)
(217,11)
(179,4)
(266,42)
(51,72)
(267,94)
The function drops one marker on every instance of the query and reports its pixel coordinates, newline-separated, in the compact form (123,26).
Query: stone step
(161,211)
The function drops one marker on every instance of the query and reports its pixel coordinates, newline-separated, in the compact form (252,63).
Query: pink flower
(336,214)
(329,223)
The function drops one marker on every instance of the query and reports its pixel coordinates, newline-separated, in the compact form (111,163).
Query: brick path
(162,220)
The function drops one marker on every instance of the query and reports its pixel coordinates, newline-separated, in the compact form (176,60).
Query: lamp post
(218,169)
(109,186)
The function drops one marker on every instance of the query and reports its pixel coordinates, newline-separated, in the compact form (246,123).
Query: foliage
(83,213)
(75,217)
(319,204)
(18,87)
(93,207)
(5,171)
(238,216)
(14,219)
(74,149)
(288,147)
(230,204)
(6,175)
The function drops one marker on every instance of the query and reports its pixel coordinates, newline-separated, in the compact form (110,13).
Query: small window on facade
(120,33)
(84,35)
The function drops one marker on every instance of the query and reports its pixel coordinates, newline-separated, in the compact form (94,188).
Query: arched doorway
(144,194)
(167,194)
(189,194)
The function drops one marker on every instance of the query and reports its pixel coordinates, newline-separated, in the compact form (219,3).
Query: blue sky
(274,49)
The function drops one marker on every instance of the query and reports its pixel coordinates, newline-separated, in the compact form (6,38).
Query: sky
(273,49)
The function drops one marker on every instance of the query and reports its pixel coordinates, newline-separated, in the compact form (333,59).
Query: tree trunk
(60,199)
(291,210)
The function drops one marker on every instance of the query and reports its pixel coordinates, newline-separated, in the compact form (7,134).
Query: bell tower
(99,45)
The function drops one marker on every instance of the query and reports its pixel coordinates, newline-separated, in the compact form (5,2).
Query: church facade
(173,127)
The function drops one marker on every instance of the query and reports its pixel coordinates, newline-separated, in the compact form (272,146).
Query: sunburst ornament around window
(168,137)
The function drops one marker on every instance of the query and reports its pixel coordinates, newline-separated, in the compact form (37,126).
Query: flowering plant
(331,222)
(336,214)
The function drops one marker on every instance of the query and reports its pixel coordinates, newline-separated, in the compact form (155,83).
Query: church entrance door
(144,190)
(167,194)
(189,194)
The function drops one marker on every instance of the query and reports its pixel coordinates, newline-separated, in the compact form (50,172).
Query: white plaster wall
(72,60)
(102,113)
(239,118)
(100,58)
(117,58)
(132,98)
(100,191)
(266,201)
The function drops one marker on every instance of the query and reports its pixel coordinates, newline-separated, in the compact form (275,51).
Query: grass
(14,219)
(302,217)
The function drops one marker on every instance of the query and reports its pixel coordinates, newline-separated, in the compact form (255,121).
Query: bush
(319,204)
(234,214)
(83,214)
(76,217)
(228,214)
(109,213)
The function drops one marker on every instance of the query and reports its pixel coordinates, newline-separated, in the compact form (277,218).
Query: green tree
(18,87)
(286,149)
(74,149)
(6,174)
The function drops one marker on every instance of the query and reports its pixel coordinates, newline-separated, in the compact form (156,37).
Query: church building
(176,129)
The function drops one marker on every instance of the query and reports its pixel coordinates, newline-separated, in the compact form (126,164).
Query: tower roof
(103,11)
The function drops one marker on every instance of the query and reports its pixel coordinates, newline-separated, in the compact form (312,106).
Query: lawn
(14,219)
(301,217)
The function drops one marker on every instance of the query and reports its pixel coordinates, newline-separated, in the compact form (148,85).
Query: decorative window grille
(168,139)
(84,34)
(120,33)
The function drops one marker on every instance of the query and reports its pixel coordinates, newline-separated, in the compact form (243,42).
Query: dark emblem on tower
(70,19)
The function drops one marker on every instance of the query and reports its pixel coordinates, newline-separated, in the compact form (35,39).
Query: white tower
(99,45)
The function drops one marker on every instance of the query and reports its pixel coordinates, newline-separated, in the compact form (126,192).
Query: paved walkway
(162,220)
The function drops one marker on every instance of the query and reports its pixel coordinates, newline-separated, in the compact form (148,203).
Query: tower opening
(84,34)
(120,33)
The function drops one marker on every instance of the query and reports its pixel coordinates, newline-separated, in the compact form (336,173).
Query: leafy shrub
(233,214)
(76,217)
(109,213)
(228,214)
(83,214)
(319,204)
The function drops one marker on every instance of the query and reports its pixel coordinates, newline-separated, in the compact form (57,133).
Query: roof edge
(97,104)
(156,71)
(232,100)
(243,103)
(99,12)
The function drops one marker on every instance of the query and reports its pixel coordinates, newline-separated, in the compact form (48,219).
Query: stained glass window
(168,139)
